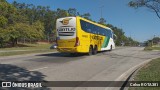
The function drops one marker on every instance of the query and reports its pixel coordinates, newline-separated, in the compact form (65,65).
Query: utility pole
(101,9)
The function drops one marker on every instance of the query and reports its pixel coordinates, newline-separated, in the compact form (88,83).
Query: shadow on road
(62,55)
(13,73)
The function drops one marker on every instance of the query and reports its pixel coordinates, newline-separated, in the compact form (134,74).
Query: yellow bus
(79,35)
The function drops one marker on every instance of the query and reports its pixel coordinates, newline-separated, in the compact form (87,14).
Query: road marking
(38,69)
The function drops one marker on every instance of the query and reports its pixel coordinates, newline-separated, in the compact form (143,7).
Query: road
(105,66)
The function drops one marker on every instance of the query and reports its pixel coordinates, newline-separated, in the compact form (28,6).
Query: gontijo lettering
(65,29)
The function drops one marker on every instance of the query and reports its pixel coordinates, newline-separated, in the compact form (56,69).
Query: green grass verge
(150,72)
(151,48)
(27,49)
(24,52)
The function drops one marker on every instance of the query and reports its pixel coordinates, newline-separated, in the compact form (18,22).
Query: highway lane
(105,66)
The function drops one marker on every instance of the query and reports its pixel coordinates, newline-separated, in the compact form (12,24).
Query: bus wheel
(90,51)
(110,48)
(95,50)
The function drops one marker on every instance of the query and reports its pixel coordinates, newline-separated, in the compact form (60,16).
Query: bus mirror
(114,36)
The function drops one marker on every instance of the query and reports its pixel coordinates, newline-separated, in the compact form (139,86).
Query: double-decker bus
(79,35)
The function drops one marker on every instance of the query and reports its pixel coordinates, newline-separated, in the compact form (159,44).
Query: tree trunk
(24,40)
(14,42)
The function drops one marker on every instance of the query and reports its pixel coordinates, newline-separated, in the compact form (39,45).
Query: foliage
(154,41)
(153,5)
(102,21)
(3,21)
(15,24)
(3,37)
(20,22)
(121,38)
(86,15)
(72,12)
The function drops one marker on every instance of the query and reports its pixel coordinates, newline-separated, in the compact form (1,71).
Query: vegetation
(150,72)
(121,38)
(20,22)
(151,48)
(153,42)
(153,5)
(14,25)
(26,49)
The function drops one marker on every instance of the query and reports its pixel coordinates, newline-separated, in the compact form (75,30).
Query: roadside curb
(128,73)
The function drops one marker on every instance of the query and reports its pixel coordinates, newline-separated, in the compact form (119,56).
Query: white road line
(38,69)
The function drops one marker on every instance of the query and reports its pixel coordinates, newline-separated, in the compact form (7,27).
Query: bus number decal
(97,37)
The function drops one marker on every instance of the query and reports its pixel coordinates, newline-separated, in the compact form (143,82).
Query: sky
(140,24)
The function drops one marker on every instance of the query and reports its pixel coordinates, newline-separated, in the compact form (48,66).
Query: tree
(37,30)
(61,13)
(13,35)
(121,38)
(72,11)
(156,40)
(3,37)
(87,16)
(20,22)
(153,5)
(3,21)
(102,21)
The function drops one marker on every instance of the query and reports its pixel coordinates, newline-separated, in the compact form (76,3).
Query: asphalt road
(105,66)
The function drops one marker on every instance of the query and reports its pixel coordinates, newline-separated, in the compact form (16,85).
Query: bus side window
(95,31)
(108,34)
(88,30)
(98,32)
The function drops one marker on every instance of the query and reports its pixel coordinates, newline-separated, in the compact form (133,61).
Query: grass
(151,72)
(26,49)
(151,48)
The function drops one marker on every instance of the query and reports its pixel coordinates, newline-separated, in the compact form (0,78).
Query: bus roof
(90,22)
(95,23)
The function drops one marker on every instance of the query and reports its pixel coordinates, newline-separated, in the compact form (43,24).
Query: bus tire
(95,50)
(90,51)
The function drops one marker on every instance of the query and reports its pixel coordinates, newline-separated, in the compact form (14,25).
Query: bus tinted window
(91,28)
